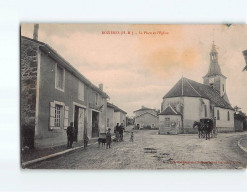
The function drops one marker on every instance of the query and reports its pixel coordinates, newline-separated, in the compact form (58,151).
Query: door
(95,124)
(81,113)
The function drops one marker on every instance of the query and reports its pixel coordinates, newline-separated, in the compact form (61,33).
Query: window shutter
(66,117)
(52,115)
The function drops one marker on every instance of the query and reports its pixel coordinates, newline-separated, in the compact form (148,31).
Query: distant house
(53,94)
(115,115)
(189,101)
(146,118)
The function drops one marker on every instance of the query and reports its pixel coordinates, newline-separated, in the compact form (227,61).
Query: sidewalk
(42,152)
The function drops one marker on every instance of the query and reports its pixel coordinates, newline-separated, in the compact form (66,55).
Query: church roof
(189,88)
(169,111)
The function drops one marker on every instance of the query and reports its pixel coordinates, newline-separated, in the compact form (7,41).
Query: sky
(139,67)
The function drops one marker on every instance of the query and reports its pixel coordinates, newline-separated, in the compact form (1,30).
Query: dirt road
(152,151)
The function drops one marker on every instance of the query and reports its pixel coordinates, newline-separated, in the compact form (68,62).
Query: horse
(204,128)
(199,127)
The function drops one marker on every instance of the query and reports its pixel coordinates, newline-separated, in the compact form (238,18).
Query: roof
(146,113)
(143,108)
(169,111)
(53,54)
(116,109)
(189,88)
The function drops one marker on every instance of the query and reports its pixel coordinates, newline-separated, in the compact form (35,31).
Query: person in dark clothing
(85,139)
(121,130)
(70,135)
(108,139)
(117,128)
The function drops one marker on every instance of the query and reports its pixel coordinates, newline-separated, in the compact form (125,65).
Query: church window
(218,115)
(205,111)
(228,115)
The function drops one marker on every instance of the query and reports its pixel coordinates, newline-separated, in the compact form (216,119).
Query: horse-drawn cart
(206,128)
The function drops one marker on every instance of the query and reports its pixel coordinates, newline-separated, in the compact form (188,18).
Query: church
(189,101)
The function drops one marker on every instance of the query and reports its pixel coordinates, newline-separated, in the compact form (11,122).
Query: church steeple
(214,76)
(214,68)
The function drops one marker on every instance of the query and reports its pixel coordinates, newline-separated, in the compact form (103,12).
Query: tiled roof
(146,113)
(143,108)
(169,111)
(116,109)
(189,88)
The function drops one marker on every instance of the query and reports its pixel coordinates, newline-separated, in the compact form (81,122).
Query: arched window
(228,115)
(218,115)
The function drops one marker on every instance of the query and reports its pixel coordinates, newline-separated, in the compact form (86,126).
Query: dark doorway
(95,124)
(76,112)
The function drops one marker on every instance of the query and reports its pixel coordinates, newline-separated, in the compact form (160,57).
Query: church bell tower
(214,77)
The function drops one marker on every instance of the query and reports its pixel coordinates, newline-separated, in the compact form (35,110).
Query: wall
(147,120)
(119,117)
(144,111)
(110,116)
(238,125)
(173,129)
(28,70)
(194,111)
(223,125)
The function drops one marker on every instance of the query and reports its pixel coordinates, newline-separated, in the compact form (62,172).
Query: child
(132,137)
(108,139)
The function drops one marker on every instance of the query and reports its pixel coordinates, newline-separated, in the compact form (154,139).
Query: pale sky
(140,69)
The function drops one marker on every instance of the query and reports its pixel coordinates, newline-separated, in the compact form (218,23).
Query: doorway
(79,122)
(95,124)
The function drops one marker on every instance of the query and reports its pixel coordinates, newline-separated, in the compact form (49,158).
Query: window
(58,114)
(96,99)
(218,115)
(81,91)
(223,88)
(167,122)
(59,78)
(228,115)
(108,122)
(205,111)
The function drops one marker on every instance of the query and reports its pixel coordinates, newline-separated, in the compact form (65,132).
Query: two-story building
(53,94)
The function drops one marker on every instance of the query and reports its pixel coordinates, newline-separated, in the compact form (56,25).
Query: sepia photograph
(133,96)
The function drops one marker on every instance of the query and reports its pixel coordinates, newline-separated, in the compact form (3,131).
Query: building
(146,118)
(119,116)
(189,101)
(53,94)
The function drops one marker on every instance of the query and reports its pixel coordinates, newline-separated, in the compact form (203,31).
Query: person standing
(108,139)
(121,130)
(85,140)
(70,135)
(117,132)
(132,137)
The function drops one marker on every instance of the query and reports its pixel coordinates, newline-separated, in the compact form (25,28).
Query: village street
(152,151)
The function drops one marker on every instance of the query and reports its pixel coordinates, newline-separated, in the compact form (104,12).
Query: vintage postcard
(133,96)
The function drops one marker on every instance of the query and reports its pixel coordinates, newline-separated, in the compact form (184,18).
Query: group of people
(119,129)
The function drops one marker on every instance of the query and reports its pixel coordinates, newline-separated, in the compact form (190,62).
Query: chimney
(101,86)
(35,32)
(245,56)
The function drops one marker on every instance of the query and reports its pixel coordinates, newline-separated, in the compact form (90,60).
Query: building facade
(193,101)
(53,94)
(146,118)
